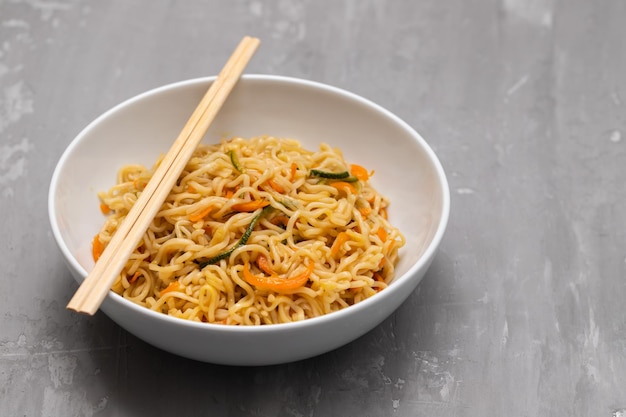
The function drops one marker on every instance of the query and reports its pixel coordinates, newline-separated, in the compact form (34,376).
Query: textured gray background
(522,312)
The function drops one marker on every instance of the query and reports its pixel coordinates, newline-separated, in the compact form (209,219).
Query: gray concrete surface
(522,312)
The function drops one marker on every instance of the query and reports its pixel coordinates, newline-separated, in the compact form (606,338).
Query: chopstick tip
(80,310)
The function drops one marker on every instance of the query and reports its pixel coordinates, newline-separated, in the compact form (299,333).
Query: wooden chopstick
(96,286)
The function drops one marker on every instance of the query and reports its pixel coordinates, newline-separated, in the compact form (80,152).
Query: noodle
(256,231)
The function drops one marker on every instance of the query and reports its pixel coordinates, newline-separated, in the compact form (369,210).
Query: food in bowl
(256,231)
(140,129)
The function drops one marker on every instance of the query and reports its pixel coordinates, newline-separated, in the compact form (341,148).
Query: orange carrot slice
(346,187)
(134,277)
(250,205)
(280,220)
(264,265)
(341,238)
(276,283)
(275,186)
(294,168)
(359,172)
(96,247)
(382,234)
(194,217)
(104,208)
(172,287)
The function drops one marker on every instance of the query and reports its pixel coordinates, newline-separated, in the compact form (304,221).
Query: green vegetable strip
(329,175)
(242,241)
(235,160)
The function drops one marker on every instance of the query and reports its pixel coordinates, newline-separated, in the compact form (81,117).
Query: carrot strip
(359,172)
(134,277)
(139,185)
(280,220)
(172,287)
(191,188)
(382,234)
(229,194)
(341,238)
(294,168)
(264,265)
(104,208)
(378,278)
(194,217)
(277,187)
(250,205)
(276,283)
(365,210)
(346,187)
(96,247)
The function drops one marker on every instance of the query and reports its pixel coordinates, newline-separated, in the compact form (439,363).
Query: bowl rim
(115,298)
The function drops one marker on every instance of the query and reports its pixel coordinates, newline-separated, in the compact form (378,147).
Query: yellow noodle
(200,219)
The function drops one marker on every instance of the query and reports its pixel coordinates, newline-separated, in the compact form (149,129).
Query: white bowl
(140,129)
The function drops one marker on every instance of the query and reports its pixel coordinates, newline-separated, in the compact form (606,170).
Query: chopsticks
(96,286)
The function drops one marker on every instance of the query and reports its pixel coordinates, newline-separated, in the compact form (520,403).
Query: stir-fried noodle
(256,231)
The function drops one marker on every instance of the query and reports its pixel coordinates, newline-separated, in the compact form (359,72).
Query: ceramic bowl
(143,127)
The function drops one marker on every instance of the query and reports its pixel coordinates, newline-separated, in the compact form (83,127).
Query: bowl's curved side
(140,129)
(256,346)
